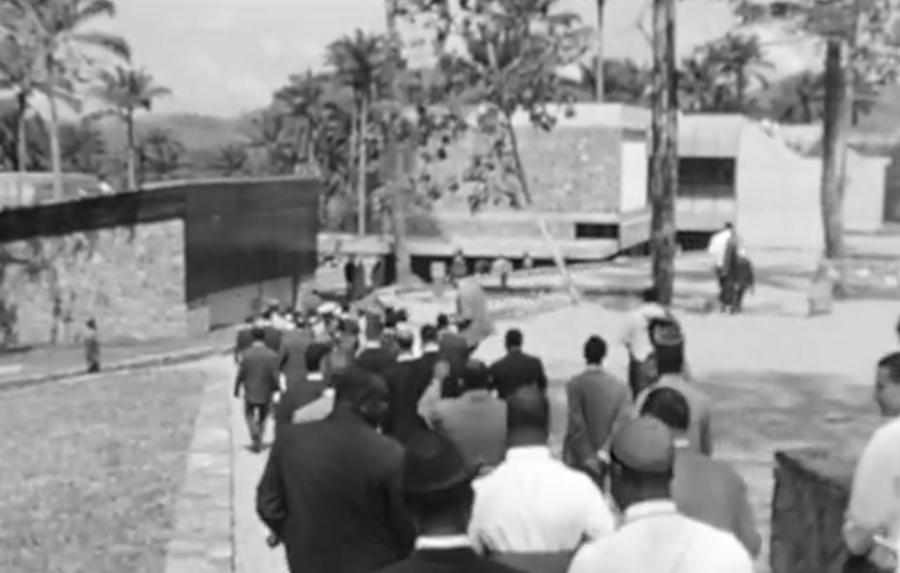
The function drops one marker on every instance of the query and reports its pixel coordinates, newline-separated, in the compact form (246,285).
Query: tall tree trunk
(55,151)
(131,159)
(598,61)
(741,89)
(664,169)
(393,164)
(21,143)
(361,178)
(838,111)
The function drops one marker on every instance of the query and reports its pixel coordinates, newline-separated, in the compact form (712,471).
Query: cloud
(271,48)
(217,21)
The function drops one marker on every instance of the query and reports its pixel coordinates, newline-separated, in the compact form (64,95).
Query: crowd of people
(397,451)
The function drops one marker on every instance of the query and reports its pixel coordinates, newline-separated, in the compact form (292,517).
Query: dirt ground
(777,381)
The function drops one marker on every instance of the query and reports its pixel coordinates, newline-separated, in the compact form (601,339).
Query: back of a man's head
(514,338)
(595,350)
(669,407)
(428,334)
(443,322)
(528,412)
(650,295)
(476,376)
(374,327)
(353,386)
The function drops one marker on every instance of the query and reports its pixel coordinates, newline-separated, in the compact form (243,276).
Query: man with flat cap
(330,490)
(533,511)
(703,488)
(654,536)
(437,488)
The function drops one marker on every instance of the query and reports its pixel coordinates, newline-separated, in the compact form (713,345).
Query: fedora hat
(433,465)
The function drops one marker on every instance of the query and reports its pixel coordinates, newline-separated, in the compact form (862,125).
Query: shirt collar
(682,443)
(528,454)
(442,542)
(372,344)
(429,347)
(405,357)
(650,508)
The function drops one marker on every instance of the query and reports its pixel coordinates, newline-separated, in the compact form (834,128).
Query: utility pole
(664,159)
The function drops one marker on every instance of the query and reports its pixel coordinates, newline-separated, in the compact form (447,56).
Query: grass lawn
(90,471)
(757,413)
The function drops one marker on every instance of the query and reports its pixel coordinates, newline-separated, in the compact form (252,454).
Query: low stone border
(150,361)
(203,540)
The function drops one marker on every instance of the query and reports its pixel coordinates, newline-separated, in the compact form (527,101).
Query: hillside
(195,131)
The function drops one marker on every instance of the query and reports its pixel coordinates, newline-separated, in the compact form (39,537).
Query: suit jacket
(515,370)
(476,422)
(258,374)
(242,340)
(330,491)
(700,432)
(597,404)
(405,388)
(455,560)
(471,306)
(455,350)
(293,355)
(272,338)
(712,492)
(376,359)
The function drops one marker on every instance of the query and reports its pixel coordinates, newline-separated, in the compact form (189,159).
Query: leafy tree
(701,88)
(160,154)
(231,159)
(359,62)
(739,58)
(123,92)
(513,49)
(623,82)
(56,31)
(82,147)
(17,76)
(861,49)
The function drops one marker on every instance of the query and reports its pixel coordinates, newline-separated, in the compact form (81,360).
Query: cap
(644,445)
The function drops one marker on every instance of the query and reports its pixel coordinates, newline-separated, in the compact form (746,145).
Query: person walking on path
(598,403)
(636,339)
(703,488)
(437,487)
(872,526)
(473,321)
(517,369)
(258,379)
(92,346)
(722,251)
(294,343)
(330,491)
(533,511)
(654,536)
(744,281)
(475,420)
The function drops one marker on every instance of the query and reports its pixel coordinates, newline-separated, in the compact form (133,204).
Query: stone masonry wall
(130,280)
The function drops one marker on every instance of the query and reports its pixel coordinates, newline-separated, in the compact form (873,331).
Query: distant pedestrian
(527,261)
(502,268)
(258,379)
(722,250)
(244,338)
(473,320)
(92,346)
(636,338)
(744,281)
(459,269)
(517,369)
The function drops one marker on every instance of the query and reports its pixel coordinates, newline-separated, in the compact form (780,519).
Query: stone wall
(808,505)
(131,280)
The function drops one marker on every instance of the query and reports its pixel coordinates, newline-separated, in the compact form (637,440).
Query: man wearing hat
(533,511)
(703,488)
(654,536)
(330,490)
(668,363)
(437,487)
(405,389)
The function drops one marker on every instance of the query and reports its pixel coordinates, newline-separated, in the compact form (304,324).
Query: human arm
(578,441)
(705,431)
(240,378)
(541,376)
(431,398)
(270,493)
(872,507)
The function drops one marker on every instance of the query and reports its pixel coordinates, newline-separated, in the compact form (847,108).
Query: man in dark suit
(517,368)
(243,339)
(272,333)
(475,421)
(428,337)
(375,358)
(405,388)
(437,486)
(258,377)
(454,349)
(330,490)
(705,489)
(294,343)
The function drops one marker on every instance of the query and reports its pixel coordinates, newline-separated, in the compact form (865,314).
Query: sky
(225,57)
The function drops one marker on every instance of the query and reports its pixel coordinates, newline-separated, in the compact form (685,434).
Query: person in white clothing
(872,525)
(722,250)
(532,503)
(653,536)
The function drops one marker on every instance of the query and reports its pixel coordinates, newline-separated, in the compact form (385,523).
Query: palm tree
(160,153)
(741,59)
(301,102)
(231,159)
(56,30)
(358,62)
(17,76)
(82,147)
(124,92)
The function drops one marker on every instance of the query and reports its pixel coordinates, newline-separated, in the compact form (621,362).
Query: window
(708,177)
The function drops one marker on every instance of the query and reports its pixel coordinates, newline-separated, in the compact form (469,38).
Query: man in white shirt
(722,248)
(533,504)
(872,526)
(636,338)
(653,536)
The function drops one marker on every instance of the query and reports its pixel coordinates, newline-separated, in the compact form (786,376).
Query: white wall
(633,179)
